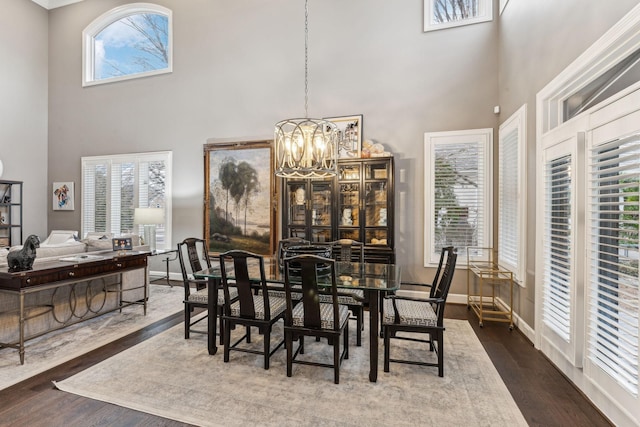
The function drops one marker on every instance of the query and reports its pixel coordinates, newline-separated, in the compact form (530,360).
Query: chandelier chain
(306,59)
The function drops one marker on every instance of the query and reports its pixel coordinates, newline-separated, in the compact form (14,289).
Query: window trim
(483,137)
(518,123)
(616,44)
(166,156)
(110,17)
(485,14)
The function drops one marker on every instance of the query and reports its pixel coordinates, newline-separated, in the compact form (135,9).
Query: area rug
(60,346)
(175,378)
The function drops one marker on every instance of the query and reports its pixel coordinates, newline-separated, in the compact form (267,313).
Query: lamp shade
(1,168)
(147,216)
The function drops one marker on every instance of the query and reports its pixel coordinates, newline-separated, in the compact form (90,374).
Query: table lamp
(149,217)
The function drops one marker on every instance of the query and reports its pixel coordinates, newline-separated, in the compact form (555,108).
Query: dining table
(375,279)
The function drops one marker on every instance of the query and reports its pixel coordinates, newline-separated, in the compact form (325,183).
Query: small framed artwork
(122,244)
(63,197)
(349,135)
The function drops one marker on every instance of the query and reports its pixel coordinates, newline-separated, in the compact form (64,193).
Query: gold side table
(484,276)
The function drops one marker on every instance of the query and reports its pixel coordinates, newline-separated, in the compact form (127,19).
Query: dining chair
(249,309)
(348,250)
(433,285)
(283,244)
(311,316)
(420,315)
(276,289)
(191,251)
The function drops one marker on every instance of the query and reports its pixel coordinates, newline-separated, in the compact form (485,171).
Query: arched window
(130,41)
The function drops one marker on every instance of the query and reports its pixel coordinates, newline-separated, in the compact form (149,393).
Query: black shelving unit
(10,213)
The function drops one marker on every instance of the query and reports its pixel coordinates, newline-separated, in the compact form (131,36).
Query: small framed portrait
(349,135)
(63,197)
(122,244)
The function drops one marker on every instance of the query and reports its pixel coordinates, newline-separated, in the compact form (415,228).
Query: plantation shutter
(613,274)
(459,195)
(152,191)
(558,246)
(116,196)
(94,196)
(113,186)
(508,215)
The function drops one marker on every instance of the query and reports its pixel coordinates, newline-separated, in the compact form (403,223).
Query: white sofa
(66,242)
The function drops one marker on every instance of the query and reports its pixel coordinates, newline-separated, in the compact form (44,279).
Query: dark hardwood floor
(543,394)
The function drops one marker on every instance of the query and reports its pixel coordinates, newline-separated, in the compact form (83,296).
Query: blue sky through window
(132,45)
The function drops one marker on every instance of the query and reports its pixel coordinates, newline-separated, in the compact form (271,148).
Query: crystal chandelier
(306,148)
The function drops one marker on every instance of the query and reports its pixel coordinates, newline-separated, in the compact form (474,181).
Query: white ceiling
(52,4)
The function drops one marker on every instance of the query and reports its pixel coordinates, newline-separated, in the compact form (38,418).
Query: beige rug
(60,346)
(176,378)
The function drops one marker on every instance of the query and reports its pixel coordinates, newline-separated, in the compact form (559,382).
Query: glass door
(376,206)
(349,220)
(321,211)
(296,219)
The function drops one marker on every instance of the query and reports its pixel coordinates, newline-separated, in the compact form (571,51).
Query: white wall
(23,106)
(239,68)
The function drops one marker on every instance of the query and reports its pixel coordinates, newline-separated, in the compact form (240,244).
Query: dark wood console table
(105,268)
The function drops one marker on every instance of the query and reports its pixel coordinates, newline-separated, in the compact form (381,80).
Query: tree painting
(239,212)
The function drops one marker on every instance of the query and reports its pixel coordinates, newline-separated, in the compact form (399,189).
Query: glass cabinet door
(349,197)
(349,211)
(321,211)
(296,219)
(376,206)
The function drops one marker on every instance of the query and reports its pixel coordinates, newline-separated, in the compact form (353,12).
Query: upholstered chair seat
(326,315)
(276,304)
(345,297)
(202,296)
(411,313)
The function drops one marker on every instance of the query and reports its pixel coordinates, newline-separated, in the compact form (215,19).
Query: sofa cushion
(102,241)
(62,249)
(60,236)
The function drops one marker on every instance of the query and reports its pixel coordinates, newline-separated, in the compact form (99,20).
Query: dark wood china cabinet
(355,204)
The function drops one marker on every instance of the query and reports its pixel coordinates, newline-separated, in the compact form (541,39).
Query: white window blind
(558,246)
(511,194)
(613,274)
(113,186)
(458,176)
(508,226)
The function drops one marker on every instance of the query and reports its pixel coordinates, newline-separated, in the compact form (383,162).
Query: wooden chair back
(316,275)
(347,250)
(235,268)
(284,244)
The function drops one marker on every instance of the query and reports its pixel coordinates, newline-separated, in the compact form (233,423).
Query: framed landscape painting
(240,197)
